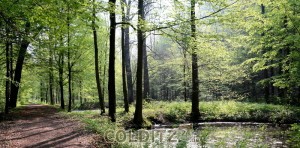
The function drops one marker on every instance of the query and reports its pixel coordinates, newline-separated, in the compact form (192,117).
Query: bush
(294,136)
(178,112)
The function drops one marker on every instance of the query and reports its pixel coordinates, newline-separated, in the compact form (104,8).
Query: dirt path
(40,126)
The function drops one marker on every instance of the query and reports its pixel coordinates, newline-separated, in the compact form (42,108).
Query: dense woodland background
(118,53)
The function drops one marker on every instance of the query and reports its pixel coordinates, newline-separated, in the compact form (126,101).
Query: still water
(211,135)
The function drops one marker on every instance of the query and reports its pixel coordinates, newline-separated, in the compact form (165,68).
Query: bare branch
(126,23)
(172,24)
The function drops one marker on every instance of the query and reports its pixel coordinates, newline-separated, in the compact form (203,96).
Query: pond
(242,135)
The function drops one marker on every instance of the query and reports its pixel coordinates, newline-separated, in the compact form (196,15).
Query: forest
(201,67)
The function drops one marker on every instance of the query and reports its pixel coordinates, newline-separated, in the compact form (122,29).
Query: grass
(294,136)
(173,113)
(178,112)
(241,111)
(100,125)
(161,112)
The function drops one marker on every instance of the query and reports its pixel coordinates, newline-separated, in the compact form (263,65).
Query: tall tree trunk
(19,66)
(73,95)
(195,82)
(104,75)
(11,76)
(126,106)
(111,70)
(104,71)
(46,94)
(127,56)
(184,76)
(69,63)
(61,80)
(138,115)
(80,92)
(41,91)
(99,89)
(146,92)
(51,79)
(8,70)
(146,71)
(57,94)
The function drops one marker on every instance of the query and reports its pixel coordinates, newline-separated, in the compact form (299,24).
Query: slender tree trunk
(104,72)
(7,82)
(80,91)
(138,115)
(184,76)
(195,82)
(57,94)
(61,80)
(69,64)
(111,71)
(11,76)
(41,91)
(146,71)
(127,56)
(126,106)
(99,89)
(51,76)
(73,95)
(46,94)
(146,83)
(19,66)
(104,75)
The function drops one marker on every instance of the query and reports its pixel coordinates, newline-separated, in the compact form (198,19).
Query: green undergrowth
(294,136)
(174,113)
(178,112)
(160,112)
(254,112)
(100,125)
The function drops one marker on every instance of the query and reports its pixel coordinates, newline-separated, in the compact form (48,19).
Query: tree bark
(61,80)
(51,79)
(111,70)
(11,77)
(19,66)
(69,64)
(126,106)
(104,75)
(195,82)
(80,92)
(127,56)
(41,91)
(146,92)
(46,94)
(138,115)
(146,71)
(8,70)
(99,89)
(184,76)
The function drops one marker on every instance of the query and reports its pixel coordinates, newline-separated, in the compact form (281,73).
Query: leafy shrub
(221,111)
(294,136)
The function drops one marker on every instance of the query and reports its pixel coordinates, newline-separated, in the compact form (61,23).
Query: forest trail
(41,126)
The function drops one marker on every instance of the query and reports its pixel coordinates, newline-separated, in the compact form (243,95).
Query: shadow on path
(41,126)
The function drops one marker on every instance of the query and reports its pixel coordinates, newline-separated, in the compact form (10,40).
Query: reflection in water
(233,135)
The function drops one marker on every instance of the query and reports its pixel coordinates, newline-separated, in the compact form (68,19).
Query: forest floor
(42,126)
